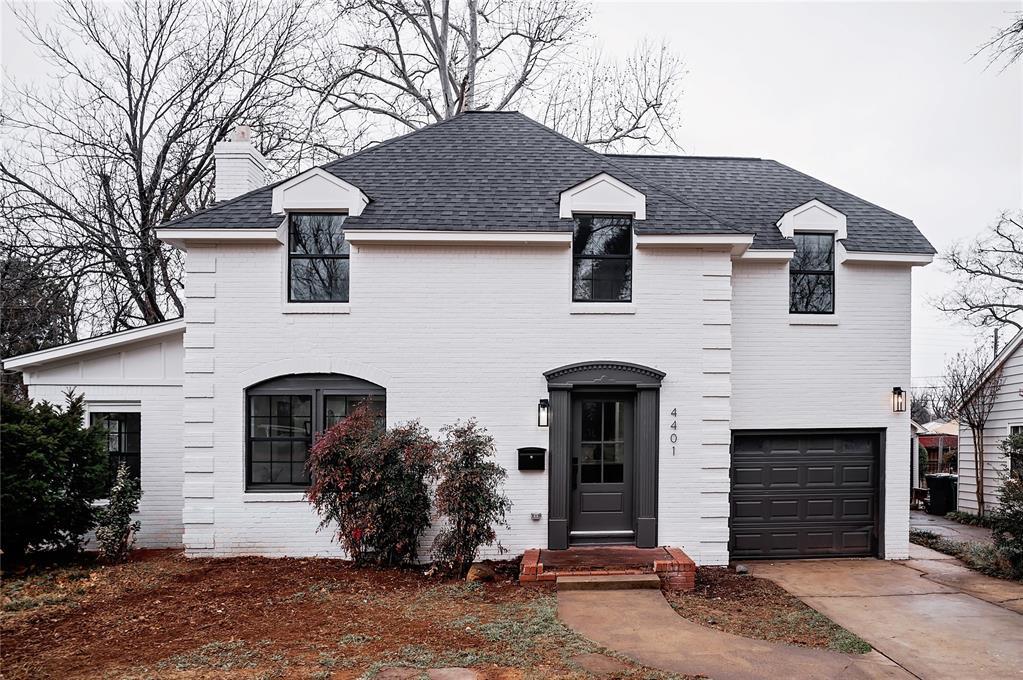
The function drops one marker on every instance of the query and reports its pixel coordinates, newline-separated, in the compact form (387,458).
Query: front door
(602,452)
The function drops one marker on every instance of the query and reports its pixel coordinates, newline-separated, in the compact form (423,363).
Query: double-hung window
(812,274)
(1015,458)
(602,258)
(285,415)
(123,440)
(318,265)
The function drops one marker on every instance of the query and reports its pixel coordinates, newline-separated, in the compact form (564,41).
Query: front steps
(610,567)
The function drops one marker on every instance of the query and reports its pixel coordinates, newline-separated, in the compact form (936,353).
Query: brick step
(620,582)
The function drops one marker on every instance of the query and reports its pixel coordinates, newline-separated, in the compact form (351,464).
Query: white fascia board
(603,194)
(316,190)
(104,342)
(180,238)
(425,237)
(768,255)
(813,216)
(738,243)
(912,259)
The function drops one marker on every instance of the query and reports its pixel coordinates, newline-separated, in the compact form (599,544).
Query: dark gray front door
(805,494)
(602,455)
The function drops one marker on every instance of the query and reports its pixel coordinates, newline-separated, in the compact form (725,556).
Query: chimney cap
(241,133)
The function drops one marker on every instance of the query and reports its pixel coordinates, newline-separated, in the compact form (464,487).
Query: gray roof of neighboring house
(505,172)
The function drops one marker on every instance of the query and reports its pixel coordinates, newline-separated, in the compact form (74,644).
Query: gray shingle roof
(505,172)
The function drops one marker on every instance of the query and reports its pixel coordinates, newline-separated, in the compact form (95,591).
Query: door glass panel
(590,474)
(614,473)
(591,421)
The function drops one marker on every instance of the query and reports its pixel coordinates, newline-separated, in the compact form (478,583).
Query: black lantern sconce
(898,400)
(543,413)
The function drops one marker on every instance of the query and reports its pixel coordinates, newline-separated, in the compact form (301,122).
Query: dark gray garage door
(804,494)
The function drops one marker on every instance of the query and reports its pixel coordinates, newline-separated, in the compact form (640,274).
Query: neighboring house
(941,441)
(1006,418)
(706,347)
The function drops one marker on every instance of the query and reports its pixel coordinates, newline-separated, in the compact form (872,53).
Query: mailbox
(531,458)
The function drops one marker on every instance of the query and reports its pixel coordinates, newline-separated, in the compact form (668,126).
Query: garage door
(804,494)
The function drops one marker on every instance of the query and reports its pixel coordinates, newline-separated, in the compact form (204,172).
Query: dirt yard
(758,608)
(162,615)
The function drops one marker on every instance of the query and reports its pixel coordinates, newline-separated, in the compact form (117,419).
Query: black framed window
(602,258)
(284,417)
(124,440)
(812,274)
(318,265)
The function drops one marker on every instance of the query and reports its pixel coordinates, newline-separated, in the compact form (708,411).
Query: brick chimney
(238,165)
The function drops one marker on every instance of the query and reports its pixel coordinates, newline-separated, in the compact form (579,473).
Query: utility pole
(996,343)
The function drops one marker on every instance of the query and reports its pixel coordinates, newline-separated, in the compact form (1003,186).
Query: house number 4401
(674,430)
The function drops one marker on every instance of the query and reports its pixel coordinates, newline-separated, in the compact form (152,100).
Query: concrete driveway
(929,614)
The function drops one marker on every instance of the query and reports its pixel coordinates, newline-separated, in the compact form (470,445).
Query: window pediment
(813,216)
(318,190)
(603,194)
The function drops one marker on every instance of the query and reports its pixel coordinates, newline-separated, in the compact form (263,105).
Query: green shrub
(469,495)
(115,529)
(373,487)
(1007,519)
(969,518)
(53,469)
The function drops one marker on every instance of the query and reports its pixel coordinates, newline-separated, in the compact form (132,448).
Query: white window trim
(603,306)
(289,307)
(1011,424)
(832,319)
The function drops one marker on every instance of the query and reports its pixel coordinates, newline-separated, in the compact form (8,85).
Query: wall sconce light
(898,400)
(543,413)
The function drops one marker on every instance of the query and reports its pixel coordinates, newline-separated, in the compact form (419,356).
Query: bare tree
(967,393)
(1007,44)
(989,276)
(123,138)
(920,405)
(409,63)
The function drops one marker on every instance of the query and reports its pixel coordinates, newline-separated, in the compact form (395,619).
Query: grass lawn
(761,609)
(165,616)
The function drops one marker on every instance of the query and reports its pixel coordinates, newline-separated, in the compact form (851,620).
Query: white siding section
(1008,411)
(840,376)
(147,374)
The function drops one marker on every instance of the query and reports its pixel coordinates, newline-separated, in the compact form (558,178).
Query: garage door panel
(804,495)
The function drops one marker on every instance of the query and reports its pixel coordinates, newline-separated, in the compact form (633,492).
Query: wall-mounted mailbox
(532,458)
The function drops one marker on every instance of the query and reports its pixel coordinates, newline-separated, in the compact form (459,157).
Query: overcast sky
(881,99)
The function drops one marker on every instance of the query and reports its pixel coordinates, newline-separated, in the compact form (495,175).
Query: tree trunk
(474,48)
(978,465)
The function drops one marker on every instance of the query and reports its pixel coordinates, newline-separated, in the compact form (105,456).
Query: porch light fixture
(898,400)
(543,413)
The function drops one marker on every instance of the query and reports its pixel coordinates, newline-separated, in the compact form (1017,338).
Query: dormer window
(602,258)
(812,274)
(317,258)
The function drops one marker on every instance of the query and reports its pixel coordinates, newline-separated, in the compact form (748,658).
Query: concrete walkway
(936,524)
(929,614)
(641,625)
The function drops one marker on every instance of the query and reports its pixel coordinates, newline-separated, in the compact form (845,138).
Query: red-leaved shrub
(373,487)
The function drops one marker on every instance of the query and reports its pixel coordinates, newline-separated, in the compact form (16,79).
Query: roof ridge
(633,173)
(687,156)
(844,192)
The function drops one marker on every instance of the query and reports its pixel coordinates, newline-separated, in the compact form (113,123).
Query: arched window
(284,415)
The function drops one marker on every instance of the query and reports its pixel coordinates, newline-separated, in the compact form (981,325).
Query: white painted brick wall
(454,332)
(787,376)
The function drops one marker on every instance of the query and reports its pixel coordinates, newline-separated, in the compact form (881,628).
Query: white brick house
(715,342)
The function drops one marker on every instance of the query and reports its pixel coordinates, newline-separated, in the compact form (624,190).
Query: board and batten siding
(789,375)
(1007,411)
(144,376)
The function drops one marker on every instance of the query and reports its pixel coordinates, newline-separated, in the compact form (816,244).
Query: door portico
(603,454)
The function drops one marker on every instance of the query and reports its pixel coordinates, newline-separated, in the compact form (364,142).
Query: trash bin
(942,493)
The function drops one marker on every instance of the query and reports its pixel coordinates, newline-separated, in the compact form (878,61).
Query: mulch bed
(757,608)
(162,615)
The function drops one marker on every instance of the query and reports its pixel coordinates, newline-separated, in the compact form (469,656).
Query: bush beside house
(54,469)
(115,528)
(1006,520)
(373,487)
